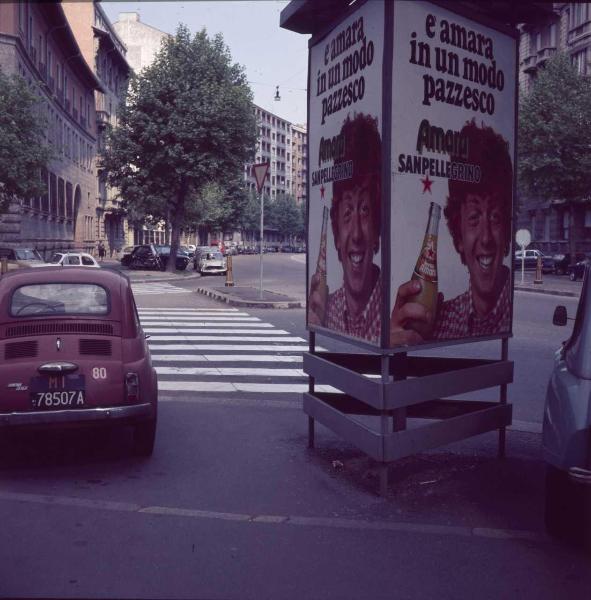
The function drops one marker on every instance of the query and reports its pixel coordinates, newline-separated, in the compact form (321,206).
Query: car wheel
(568,508)
(144,436)
(572,276)
(559,271)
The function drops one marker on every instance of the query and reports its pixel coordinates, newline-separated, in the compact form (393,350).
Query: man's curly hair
(490,151)
(363,146)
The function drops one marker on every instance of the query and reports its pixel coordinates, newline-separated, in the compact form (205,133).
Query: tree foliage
(555,134)
(184,133)
(285,216)
(23,149)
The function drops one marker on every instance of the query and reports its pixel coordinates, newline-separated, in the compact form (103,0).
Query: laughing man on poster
(354,309)
(478,216)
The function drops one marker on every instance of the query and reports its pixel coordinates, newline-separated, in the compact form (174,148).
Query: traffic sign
(523,237)
(260,173)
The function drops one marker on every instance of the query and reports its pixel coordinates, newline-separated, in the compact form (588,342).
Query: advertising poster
(345,170)
(452,166)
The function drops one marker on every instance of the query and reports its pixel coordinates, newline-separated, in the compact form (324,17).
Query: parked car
(531,260)
(576,270)
(74,353)
(149,256)
(566,433)
(21,257)
(126,255)
(73,259)
(212,263)
(187,250)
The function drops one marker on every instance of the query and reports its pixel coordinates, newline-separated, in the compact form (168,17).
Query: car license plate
(55,392)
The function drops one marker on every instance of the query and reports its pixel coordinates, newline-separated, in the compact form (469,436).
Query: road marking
(230,371)
(240,386)
(283,520)
(189,317)
(272,332)
(227,338)
(157,288)
(159,358)
(229,319)
(232,347)
(190,323)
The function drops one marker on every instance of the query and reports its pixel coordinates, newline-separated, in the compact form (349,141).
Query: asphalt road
(233,504)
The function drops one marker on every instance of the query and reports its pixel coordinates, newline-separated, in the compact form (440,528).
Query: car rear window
(59,299)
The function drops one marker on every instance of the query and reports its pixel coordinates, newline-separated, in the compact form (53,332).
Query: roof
(105,277)
(56,17)
(312,16)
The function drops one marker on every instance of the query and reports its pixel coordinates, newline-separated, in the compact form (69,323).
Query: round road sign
(523,237)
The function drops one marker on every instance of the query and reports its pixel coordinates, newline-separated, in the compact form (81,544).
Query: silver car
(567,428)
(212,263)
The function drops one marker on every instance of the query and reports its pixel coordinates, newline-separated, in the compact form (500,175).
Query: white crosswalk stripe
(223,351)
(157,287)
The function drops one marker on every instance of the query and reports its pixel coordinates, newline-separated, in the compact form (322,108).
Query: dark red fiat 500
(74,353)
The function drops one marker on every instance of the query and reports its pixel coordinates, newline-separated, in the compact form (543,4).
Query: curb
(247,303)
(519,288)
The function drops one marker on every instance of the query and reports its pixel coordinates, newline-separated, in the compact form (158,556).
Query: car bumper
(80,416)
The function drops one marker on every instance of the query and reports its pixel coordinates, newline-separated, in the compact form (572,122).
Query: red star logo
(426,184)
(322,188)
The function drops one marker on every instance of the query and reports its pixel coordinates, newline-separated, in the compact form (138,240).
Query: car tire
(572,276)
(559,271)
(568,508)
(144,437)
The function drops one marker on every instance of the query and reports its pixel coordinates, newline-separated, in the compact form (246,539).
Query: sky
(270,55)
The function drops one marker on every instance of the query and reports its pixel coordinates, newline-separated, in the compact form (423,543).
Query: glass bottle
(426,271)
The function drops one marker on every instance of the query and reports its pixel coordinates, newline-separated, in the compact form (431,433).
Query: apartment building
(565,28)
(299,153)
(105,53)
(37,43)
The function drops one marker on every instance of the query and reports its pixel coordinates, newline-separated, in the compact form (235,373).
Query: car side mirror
(560,316)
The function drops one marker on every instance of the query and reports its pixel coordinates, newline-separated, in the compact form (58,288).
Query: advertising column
(345,196)
(453,147)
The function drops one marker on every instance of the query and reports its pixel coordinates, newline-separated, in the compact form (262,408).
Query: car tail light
(132,388)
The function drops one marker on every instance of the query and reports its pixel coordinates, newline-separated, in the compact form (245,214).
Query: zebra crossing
(156,287)
(223,350)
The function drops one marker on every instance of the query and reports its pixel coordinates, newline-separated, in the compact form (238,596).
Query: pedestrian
(101,251)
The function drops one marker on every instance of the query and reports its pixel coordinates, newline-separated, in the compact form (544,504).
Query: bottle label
(427,264)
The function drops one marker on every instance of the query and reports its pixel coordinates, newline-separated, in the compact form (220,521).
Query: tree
(187,125)
(285,216)
(23,149)
(554,137)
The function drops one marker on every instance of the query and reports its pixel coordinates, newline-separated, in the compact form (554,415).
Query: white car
(73,259)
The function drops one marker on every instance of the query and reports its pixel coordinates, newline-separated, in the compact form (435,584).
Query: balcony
(528,64)
(102,118)
(544,54)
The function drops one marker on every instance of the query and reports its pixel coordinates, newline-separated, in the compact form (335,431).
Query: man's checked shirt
(366,326)
(457,317)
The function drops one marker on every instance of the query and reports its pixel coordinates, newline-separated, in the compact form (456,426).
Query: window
(588,218)
(580,62)
(578,14)
(59,299)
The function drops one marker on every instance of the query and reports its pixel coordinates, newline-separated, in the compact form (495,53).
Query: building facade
(37,43)
(142,42)
(299,169)
(105,53)
(567,29)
